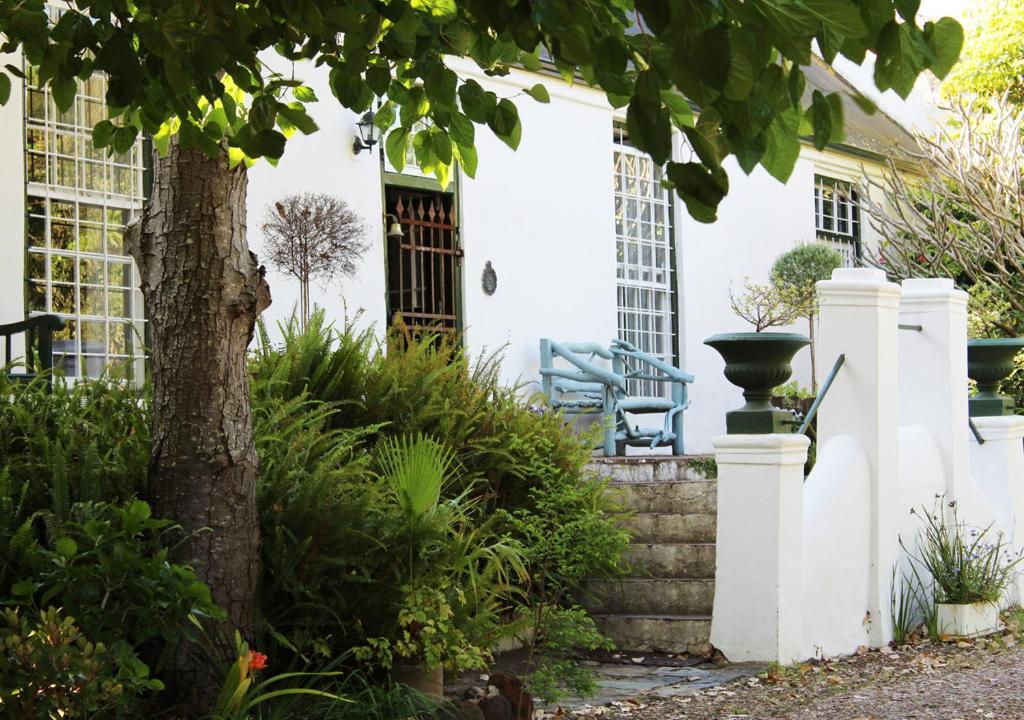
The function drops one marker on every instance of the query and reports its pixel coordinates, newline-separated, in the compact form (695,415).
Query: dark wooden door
(424,264)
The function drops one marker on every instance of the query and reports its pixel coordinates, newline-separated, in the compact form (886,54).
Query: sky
(933,9)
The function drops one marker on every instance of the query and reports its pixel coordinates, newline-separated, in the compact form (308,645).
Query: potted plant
(760,361)
(455,572)
(989,362)
(970,568)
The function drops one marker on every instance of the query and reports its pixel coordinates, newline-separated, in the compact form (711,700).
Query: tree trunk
(203,292)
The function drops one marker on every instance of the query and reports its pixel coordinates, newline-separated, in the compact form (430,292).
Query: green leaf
(63,90)
(395,147)
(650,128)
(378,77)
(5,88)
(821,119)
(162,139)
(24,588)
(435,8)
(103,134)
(702,190)
(908,9)
(783,145)
(900,59)
(461,129)
(841,15)
(384,118)
(441,144)
(539,93)
(478,104)
(124,138)
(263,112)
(945,39)
(264,143)
(505,123)
(297,116)
(679,107)
(66,548)
(466,155)
(835,105)
(304,94)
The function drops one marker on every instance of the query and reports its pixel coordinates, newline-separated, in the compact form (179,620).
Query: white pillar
(998,469)
(858,318)
(933,372)
(758,578)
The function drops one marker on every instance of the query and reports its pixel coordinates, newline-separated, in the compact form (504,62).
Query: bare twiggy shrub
(313,236)
(961,215)
(765,306)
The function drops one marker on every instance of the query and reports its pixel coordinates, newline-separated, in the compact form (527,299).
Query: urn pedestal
(758,363)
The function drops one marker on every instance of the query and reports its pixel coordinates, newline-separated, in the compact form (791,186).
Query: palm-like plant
(415,469)
(449,549)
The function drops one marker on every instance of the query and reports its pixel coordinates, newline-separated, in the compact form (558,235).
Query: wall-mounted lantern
(369,134)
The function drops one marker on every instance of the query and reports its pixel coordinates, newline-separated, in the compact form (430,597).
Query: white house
(583,241)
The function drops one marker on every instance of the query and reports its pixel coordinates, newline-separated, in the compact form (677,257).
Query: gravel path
(962,681)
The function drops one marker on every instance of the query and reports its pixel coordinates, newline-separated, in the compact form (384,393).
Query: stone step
(676,560)
(696,496)
(675,634)
(652,468)
(655,596)
(671,528)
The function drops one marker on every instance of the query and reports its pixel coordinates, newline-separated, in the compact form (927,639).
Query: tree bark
(203,291)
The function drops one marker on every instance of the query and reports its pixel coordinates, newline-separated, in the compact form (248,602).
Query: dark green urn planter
(758,363)
(989,361)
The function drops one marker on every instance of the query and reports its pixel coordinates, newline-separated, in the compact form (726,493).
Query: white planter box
(967,621)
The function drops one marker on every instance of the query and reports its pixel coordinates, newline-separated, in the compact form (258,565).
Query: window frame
(662,199)
(113,332)
(847,196)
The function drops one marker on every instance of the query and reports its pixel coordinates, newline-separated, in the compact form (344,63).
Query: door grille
(424,263)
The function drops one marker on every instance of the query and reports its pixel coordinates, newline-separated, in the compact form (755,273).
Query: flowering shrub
(967,564)
(241,694)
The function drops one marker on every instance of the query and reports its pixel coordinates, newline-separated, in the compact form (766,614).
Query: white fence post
(758,579)
(933,372)
(859,318)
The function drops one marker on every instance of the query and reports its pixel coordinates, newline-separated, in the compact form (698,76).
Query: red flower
(257,660)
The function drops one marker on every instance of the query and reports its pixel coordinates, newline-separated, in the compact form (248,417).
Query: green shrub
(109,569)
(520,466)
(86,442)
(427,386)
(49,669)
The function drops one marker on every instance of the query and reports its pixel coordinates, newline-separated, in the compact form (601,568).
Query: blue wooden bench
(38,358)
(588,378)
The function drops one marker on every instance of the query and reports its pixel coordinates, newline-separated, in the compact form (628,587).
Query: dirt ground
(923,681)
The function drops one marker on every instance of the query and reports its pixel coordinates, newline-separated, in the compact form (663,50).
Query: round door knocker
(489,280)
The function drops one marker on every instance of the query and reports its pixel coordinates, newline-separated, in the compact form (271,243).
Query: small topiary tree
(313,236)
(798,271)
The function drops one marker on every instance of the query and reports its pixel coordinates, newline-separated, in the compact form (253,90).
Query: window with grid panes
(837,217)
(645,249)
(78,202)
